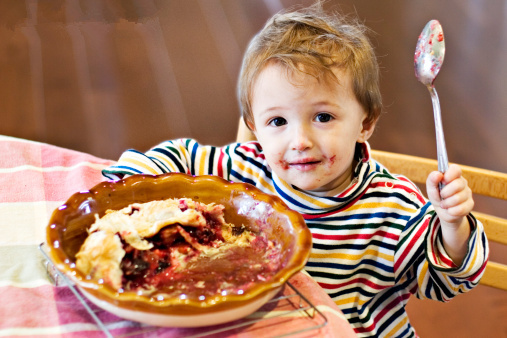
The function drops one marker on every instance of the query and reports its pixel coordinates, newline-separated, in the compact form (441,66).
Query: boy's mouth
(303,164)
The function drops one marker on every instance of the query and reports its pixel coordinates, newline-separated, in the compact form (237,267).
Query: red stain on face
(282,164)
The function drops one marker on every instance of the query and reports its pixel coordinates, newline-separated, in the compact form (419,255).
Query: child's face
(308,129)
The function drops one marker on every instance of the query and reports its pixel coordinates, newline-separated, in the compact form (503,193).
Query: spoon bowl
(428,59)
(429,53)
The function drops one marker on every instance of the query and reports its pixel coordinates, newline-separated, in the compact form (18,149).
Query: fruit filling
(178,246)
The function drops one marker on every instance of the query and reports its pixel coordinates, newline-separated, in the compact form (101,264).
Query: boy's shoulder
(381,177)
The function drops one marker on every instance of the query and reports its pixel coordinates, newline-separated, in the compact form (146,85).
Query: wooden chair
(482,182)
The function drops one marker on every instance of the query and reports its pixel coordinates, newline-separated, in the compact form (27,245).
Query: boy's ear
(367,131)
(250,126)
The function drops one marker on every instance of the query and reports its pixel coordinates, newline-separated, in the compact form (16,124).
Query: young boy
(309,92)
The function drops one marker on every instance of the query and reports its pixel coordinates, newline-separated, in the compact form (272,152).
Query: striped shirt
(374,244)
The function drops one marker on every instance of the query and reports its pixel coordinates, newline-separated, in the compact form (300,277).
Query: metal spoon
(428,58)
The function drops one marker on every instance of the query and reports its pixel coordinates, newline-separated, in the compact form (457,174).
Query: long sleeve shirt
(374,244)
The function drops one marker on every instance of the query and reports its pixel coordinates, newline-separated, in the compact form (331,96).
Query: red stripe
(437,255)
(360,280)
(346,192)
(380,233)
(414,239)
(433,252)
(414,190)
(252,150)
(220,170)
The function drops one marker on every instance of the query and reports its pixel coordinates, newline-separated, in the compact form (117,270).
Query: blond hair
(312,42)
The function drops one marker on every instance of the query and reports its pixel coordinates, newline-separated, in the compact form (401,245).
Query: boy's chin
(309,187)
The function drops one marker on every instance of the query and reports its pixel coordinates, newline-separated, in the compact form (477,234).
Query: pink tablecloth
(35,178)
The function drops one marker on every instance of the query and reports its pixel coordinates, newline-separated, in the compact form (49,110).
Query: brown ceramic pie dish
(244,204)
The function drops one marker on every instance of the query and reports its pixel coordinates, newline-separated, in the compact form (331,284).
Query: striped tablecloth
(35,178)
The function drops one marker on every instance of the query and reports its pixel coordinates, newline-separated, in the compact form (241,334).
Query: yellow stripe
(183,150)
(391,205)
(456,289)
(350,257)
(397,327)
(202,158)
(142,165)
(307,198)
(350,300)
(424,270)
(245,170)
(255,174)
(266,185)
(163,159)
(473,259)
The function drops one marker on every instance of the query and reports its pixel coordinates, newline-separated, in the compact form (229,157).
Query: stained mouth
(303,165)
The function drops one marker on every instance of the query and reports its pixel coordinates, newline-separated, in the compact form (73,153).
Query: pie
(180,246)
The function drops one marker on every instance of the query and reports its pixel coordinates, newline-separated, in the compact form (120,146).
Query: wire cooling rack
(292,303)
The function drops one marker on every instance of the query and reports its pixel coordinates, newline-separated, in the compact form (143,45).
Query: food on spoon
(178,245)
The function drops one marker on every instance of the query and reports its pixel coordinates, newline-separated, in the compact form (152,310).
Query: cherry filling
(238,269)
(141,267)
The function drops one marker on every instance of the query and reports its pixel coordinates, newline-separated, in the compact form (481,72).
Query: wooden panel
(415,168)
(496,227)
(495,276)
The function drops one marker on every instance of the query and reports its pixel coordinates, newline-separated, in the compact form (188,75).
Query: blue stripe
(240,177)
(417,256)
(254,161)
(374,264)
(161,168)
(348,291)
(175,160)
(128,169)
(393,317)
(246,158)
(288,198)
(211,162)
(365,216)
(193,155)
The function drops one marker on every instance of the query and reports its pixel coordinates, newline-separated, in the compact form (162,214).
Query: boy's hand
(455,200)
(452,205)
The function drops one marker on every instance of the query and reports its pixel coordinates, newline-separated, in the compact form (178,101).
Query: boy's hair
(312,42)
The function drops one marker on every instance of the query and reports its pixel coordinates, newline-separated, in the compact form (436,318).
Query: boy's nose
(301,140)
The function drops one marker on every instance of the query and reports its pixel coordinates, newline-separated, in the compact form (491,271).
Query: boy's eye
(323,117)
(278,121)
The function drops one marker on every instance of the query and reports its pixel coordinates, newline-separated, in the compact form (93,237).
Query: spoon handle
(443,163)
